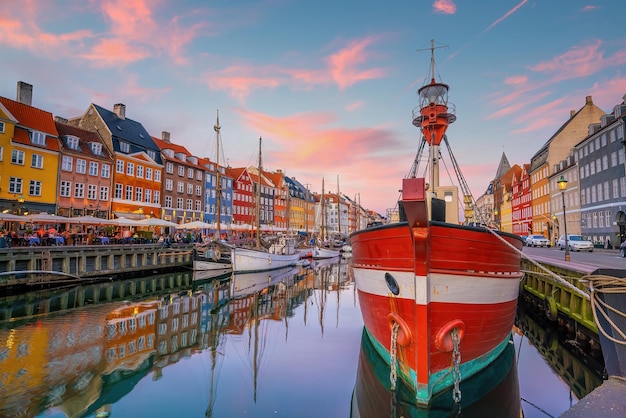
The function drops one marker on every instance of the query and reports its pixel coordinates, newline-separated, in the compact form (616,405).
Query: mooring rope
(602,284)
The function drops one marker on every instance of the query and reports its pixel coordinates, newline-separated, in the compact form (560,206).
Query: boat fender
(443,339)
(552,312)
(269,260)
(404,332)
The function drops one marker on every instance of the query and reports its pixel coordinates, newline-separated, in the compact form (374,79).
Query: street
(599,258)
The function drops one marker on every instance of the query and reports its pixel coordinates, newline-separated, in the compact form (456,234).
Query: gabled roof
(84,138)
(235,173)
(129,131)
(178,149)
(30,117)
(503,167)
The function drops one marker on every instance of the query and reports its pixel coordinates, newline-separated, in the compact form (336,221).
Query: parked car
(536,240)
(575,243)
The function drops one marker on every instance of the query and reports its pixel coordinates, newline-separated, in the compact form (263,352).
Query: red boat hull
(446,276)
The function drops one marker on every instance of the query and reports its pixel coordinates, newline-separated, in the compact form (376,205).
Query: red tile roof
(31,117)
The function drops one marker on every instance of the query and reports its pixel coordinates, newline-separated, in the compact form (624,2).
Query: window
(139,194)
(198,190)
(66,163)
(180,187)
(189,188)
(157,197)
(189,205)
(79,190)
(179,203)
(17,157)
(66,189)
(34,189)
(148,173)
(81,166)
(140,171)
(199,175)
(124,147)
(169,168)
(168,201)
(92,191)
(106,171)
(190,172)
(169,185)
(151,154)
(93,168)
(36,161)
(129,193)
(96,148)
(148,196)
(157,176)
(104,193)
(1,127)
(71,141)
(181,170)
(118,190)
(119,166)
(15,185)
(37,138)
(130,169)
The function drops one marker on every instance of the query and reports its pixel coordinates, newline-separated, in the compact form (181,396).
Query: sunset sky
(329,85)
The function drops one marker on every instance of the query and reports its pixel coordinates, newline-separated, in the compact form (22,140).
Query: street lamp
(562,185)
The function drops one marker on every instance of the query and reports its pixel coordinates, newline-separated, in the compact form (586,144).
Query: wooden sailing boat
(319,251)
(212,256)
(281,253)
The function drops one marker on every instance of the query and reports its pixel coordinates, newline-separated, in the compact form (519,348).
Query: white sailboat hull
(245,259)
(324,253)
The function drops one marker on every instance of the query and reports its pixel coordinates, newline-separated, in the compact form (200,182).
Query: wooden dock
(48,266)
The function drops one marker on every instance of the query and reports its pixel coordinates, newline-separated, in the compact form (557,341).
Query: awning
(130,215)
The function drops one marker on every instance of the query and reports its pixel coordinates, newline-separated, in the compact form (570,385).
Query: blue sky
(329,85)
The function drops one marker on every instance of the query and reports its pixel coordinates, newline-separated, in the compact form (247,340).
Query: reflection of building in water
(580,367)
(58,359)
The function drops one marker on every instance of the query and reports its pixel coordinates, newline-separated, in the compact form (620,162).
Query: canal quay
(287,343)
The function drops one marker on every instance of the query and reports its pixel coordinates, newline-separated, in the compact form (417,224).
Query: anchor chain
(456,368)
(393,372)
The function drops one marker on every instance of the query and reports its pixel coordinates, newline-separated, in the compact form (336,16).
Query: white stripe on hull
(443,288)
(200,265)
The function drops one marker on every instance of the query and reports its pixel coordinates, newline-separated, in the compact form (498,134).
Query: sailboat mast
(338,209)
(323,213)
(218,186)
(258,200)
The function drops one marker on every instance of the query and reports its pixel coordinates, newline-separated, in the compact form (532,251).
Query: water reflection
(495,390)
(163,345)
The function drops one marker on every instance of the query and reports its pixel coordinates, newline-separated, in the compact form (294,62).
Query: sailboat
(437,297)
(319,251)
(281,253)
(213,255)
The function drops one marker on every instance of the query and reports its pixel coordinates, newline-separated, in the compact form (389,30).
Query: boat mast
(218,138)
(433,117)
(323,214)
(338,209)
(258,200)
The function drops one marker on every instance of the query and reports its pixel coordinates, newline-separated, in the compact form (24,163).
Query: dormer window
(96,148)
(71,141)
(151,153)
(37,138)
(124,147)
(169,153)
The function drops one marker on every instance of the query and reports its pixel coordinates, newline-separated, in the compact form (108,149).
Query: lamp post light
(562,185)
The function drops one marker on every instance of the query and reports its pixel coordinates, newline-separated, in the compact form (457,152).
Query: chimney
(60,119)
(165,136)
(24,93)
(588,100)
(120,110)
(572,113)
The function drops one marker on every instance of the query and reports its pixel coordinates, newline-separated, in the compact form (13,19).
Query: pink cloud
(444,6)
(342,68)
(355,105)
(588,8)
(343,64)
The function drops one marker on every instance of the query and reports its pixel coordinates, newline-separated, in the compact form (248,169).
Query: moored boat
(281,253)
(318,253)
(438,298)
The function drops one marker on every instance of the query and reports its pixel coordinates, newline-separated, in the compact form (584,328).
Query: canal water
(288,343)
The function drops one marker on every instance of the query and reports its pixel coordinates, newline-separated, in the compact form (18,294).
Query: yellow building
(29,156)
